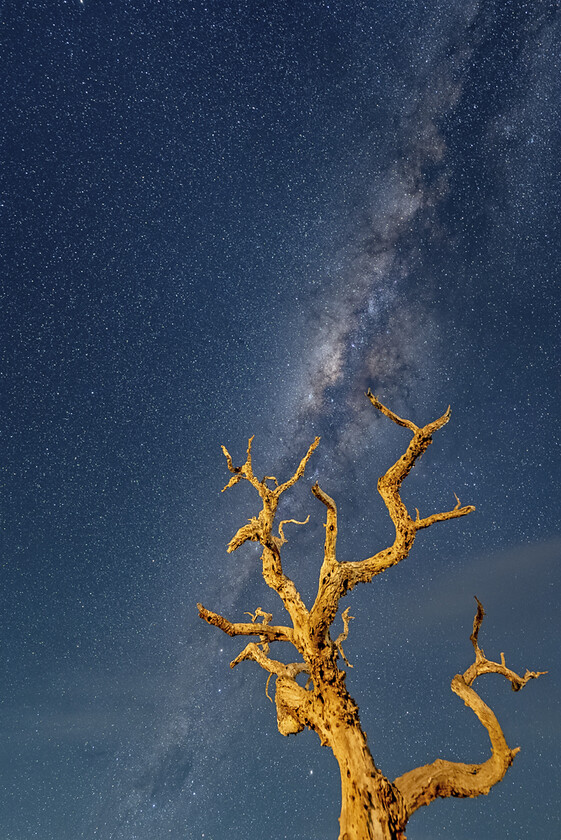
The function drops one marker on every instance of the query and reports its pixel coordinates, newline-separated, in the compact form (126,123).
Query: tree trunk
(371,807)
(362,814)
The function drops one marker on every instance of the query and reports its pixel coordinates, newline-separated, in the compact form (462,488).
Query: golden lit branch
(329,592)
(260,528)
(449,778)
(244,471)
(336,579)
(456,511)
(252,652)
(300,471)
(265,630)
(282,537)
(389,486)
(397,420)
(330,525)
(342,637)
(482,665)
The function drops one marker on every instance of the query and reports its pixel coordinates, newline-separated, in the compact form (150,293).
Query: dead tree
(373,807)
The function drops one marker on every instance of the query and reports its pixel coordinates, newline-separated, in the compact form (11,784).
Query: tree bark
(371,807)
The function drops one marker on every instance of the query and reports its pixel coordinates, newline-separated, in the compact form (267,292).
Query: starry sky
(230,218)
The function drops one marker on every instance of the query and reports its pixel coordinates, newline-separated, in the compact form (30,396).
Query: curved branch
(389,487)
(482,665)
(342,637)
(329,591)
(449,778)
(252,652)
(249,532)
(300,471)
(267,632)
(282,537)
(408,424)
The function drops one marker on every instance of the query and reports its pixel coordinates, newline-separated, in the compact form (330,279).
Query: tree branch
(482,665)
(336,579)
(254,653)
(408,424)
(342,637)
(330,525)
(449,778)
(292,701)
(456,511)
(329,591)
(267,632)
(260,529)
(300,471)
(245,471)
(389,486)
(284,539)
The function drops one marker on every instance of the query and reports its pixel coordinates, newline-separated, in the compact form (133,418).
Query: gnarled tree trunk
(371,807)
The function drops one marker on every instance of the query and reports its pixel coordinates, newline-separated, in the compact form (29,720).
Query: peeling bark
(372,807)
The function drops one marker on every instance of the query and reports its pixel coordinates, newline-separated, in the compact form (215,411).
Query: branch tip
(400,421)
(477,622)
(284,539)
(449,778)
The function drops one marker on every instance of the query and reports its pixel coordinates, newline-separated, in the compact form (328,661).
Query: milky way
(376,320)
(379,322)
(368,330)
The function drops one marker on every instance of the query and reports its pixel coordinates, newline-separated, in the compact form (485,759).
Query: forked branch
(254,653)
(246,471)
(449,778)
(260,529)
(482,665)
(336,579)
(266,631)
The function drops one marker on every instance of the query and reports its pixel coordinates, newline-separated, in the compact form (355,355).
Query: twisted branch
(284,539)
(252,652)
(336,579)
(449,778)
(342,637)
(260,528)
(266,631)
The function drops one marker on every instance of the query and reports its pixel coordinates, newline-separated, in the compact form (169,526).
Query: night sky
(231,218)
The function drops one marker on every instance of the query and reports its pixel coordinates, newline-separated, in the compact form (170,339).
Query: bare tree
(373,807)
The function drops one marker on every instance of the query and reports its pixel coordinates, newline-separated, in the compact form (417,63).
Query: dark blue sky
(231,218)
